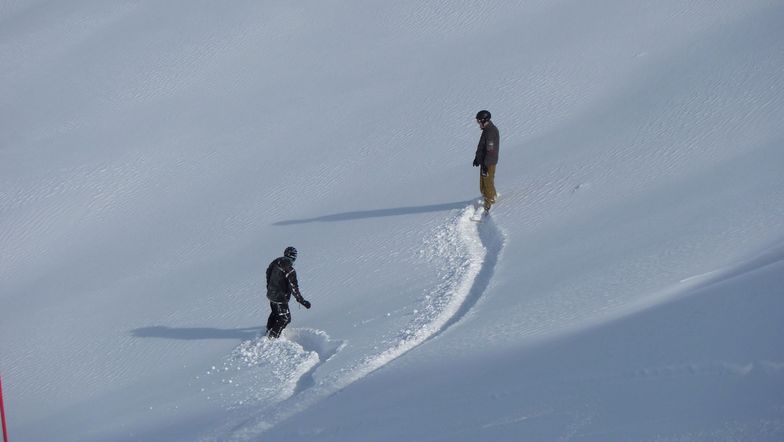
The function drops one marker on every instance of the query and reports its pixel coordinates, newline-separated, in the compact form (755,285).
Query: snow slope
(154,157)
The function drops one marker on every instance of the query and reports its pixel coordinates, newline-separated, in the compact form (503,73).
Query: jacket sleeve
(291,277)
(479,157)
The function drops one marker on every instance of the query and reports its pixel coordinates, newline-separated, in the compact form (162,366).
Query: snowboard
(480,214)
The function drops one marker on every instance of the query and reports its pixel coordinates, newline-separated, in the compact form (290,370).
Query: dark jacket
(282,281)
(489,143)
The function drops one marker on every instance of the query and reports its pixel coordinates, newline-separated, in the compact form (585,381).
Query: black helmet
(290,253)
(483,115)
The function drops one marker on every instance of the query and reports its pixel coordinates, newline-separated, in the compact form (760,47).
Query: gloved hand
(305,303)
(484,170)
(476,162)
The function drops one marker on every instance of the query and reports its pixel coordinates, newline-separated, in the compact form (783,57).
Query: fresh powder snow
(156,156)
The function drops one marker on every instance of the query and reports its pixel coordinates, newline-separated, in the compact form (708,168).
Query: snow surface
(155,156)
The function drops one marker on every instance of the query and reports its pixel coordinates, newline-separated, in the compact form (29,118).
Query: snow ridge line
(468,252)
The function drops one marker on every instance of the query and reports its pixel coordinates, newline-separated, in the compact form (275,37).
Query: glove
(476,162)
(305,303)
(484,170)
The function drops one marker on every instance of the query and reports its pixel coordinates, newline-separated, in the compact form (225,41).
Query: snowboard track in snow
(468,252)
(492,239)
(472,251)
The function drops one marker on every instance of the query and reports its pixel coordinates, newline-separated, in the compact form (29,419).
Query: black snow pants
(279,318)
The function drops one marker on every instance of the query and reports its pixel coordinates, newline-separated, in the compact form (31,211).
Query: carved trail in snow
(465,254)
(469,252)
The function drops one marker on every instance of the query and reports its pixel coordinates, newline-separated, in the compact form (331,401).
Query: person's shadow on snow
(197,333)
(378,213)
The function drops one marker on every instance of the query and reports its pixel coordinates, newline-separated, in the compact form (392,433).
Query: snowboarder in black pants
(281,284)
